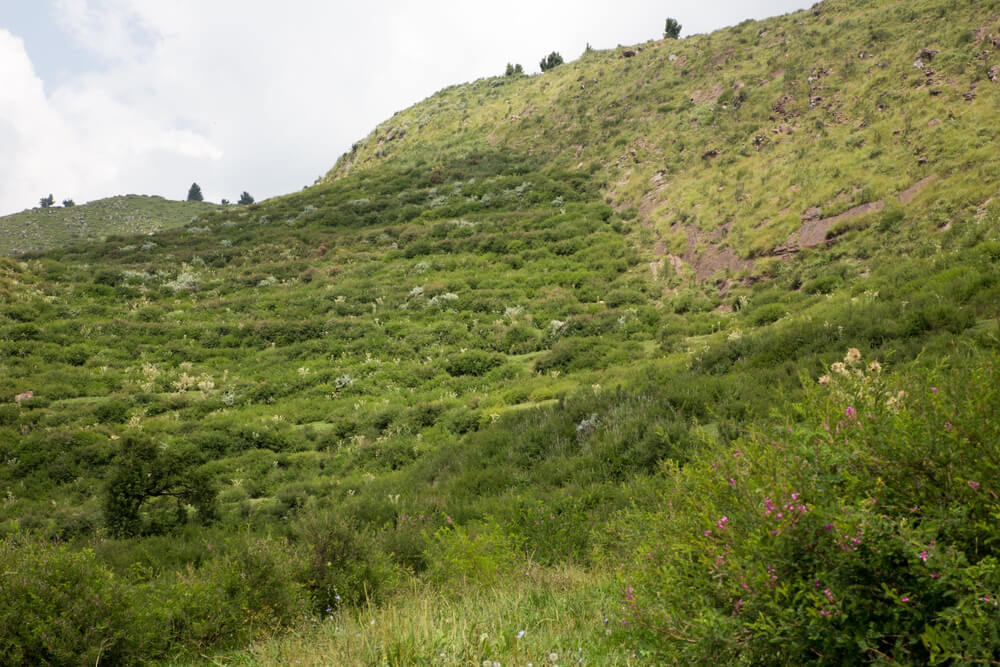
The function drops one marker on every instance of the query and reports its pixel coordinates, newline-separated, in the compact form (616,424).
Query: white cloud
(263,96)
(30,131)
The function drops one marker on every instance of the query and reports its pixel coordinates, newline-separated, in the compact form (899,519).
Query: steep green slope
(498,372)
(752,141)
(58,226)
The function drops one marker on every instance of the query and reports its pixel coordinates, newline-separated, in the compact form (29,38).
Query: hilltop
(40,229)
(751,142)
(683,351)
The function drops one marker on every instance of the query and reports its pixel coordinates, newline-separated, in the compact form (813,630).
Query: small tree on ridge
(194,193)
(550,61)
(672,30)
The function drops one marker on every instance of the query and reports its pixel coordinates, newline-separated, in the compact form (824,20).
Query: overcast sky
(107,97)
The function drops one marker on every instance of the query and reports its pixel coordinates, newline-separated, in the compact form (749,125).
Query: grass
(130,215)
(542,612)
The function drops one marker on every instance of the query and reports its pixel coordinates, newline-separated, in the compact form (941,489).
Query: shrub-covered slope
(500,388)
(59,226)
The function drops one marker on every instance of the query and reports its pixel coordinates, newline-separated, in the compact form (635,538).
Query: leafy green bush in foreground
(862,527)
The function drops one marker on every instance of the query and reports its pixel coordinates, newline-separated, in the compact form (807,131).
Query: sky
(106,97)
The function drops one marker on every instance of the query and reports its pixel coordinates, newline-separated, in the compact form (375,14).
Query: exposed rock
(927,54)
(813,232)
(935,91)
(994,73)
(781,107)
(812,214)
(628,53)
(709,154)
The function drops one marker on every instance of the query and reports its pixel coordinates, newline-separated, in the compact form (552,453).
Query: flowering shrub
(863,529)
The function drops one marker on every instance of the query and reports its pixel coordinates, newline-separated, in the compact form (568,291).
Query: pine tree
(45,202)
(245,198)
(672,30)
(550,61)
(194,194)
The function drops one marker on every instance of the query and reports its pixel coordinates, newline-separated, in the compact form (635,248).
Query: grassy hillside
(603,365)
(58,226)
(752,141)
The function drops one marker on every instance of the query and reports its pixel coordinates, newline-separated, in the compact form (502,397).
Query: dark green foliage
(858,530)
(112,412)
(60,606)
(514,70)
(46,202)
(73,609)
(145,473)
(345,566)
(473,362)
(194,193)
(245,199)
(550,61)
(68,202)
(672,29)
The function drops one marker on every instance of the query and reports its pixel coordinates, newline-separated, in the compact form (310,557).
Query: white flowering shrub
(186,281)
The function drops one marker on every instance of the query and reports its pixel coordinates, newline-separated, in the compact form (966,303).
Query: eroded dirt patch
(814,229)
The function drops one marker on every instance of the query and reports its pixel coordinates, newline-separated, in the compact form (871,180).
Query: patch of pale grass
(564,612)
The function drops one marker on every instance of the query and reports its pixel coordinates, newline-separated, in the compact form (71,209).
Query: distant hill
(57,227)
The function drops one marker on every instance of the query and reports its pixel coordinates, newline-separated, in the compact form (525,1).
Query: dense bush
(345,565)
(857,531)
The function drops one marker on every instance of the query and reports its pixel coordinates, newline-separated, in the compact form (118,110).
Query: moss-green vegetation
(57,227)
(460,390)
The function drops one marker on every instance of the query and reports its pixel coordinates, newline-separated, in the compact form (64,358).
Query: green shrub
(345,565)
(479,555)
(251,590)
(766,314)
(858,530)
(111,412)
(473,362)
(824,285)
(60,606)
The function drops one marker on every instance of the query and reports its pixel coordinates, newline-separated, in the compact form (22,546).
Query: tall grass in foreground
(558,616)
